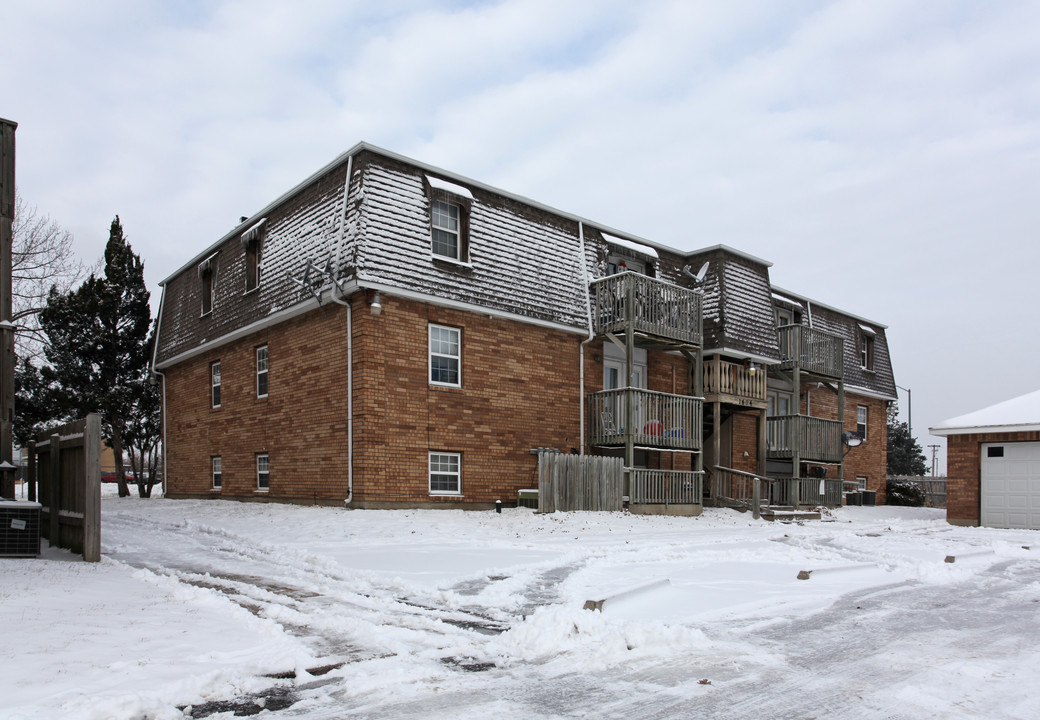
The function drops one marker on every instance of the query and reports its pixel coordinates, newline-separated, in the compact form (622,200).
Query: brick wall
(519,391)
(301,424)
(964,472)
(869,460)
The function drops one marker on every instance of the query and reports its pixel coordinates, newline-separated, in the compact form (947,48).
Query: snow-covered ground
(212,609)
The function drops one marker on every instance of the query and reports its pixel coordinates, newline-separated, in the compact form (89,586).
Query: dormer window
(252,243)
(450,206)
(866,347)
(207,274)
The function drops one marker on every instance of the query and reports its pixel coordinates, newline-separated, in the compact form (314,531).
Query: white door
(1011,485)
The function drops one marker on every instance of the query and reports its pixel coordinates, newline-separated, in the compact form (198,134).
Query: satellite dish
(699,277)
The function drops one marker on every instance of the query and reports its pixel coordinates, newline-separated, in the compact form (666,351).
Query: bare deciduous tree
(42,256)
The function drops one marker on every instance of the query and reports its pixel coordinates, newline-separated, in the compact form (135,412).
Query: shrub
(904,492)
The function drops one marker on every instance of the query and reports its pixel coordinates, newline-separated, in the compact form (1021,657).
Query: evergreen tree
(98,351)
(34,401)
(904,454)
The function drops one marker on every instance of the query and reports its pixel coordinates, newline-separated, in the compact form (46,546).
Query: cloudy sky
(883,154)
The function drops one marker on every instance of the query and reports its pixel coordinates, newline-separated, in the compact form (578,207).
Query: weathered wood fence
(934,488)
(579,482)
(65,472)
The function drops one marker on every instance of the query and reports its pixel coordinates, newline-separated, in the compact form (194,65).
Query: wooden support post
(7,358)
(92,488)
(54,489)
(756,498)
(31,471)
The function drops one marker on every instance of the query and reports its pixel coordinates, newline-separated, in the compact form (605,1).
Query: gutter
(350,341)
(155,350)
(586,341)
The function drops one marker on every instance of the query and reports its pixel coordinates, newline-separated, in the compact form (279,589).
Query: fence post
(756,498)
(54,489)
(31,470)
(91,486)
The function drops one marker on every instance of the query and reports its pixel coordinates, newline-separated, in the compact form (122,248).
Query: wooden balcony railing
(812,350)
(810,438)
(652,307)
(657,419)
(657,487)
(805,492)
(741,489)
(732,382)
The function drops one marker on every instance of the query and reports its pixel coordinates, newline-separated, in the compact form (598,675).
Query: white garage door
(1011,485)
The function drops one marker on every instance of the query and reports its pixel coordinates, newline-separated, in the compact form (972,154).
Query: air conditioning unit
(19,528)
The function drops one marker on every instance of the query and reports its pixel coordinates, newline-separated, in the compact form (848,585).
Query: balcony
(654,309)
(732,383)
(811,350)
(809,438)
(659,420)
(805,492)
(666,487)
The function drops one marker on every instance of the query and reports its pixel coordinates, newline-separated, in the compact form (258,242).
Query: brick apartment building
(391,334)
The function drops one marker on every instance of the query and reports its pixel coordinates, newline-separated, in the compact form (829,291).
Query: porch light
(376,307)
(752,369)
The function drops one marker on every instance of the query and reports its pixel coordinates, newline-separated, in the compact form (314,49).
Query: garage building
(993,465)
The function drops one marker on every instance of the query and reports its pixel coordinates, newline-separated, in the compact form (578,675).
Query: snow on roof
(634,247)
(786,300)
(866,329)
(1018,414)
(253,230)
(436,182)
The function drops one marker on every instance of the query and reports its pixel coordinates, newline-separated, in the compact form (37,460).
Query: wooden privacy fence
(934,488)
(66,469)
(579,482)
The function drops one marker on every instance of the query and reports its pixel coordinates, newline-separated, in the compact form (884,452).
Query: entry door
(1011,485)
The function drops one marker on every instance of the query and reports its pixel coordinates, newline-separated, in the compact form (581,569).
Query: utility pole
(7,358)
(935,449)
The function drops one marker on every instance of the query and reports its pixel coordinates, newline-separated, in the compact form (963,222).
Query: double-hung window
(861,421)
(446,230)
(218,472)
(445,473)
(261,371)
(445,356)
(263,472)
(214,384)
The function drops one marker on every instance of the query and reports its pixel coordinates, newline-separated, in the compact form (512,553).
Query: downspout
(155,351)
(350,343)
(808,309)
(586,341)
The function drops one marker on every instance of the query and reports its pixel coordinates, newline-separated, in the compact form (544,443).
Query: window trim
(208,279)
(861,482)
(252,244)
(441,191)
(431,354)
(866,417)
(866,351)
(214,385)
(216,473)
(265,372)
(457,474)
(263,475)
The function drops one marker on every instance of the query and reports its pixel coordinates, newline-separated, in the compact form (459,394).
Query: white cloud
(883,154)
